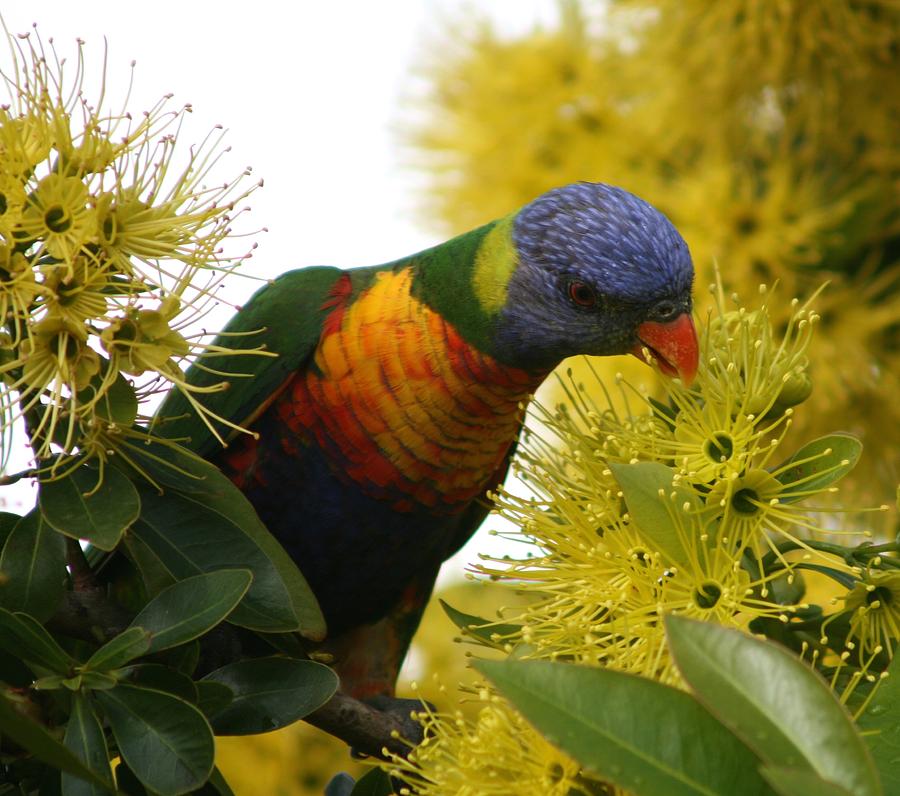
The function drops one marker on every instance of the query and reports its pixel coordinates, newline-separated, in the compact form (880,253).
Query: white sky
(311,94)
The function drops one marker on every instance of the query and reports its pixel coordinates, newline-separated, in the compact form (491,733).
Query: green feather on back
(464,279)
(285,317)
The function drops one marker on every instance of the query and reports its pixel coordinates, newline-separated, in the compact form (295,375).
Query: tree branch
(368,730)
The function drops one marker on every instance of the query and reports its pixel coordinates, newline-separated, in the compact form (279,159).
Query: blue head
(599,271)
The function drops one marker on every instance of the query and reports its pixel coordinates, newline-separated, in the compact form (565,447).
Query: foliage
(658,542)
(766,132)
(109,245)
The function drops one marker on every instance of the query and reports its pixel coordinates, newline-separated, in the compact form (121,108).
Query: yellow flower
(54,362)
(142,340)
(56,351)
(497,754)
(873,606)
(602,585)
(12,200)
(18,290)
(77,293)
(57,216)
(25,139)
(107,235)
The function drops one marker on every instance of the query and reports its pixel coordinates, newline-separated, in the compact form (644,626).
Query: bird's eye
(582,294)
(665,310)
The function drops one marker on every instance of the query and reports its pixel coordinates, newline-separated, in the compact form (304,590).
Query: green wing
(285,317)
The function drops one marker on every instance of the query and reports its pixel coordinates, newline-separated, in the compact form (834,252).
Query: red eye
(582,294)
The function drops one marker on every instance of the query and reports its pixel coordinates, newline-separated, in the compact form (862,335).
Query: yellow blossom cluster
(111,242)
(766,132)
(700,505)
(485,755)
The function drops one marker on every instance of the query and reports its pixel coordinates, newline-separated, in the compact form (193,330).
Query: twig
(367,730)
(83,578)
(6,480)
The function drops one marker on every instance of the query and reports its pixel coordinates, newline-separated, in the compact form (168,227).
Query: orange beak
(673,345)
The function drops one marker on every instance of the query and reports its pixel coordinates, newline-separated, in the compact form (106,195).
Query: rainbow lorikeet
(395,400)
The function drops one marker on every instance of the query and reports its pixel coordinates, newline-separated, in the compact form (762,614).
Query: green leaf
(78,507)
(644,737)
(213,697)
(482,630)
(123,648)
(165,741)
(85,738)
(646,487)
(800,782)
(217,528)
(161,678)
(191,607)
(36,739)
(880,723)
(374,783)
(817,465)
(216,785)
(270,693)
(153,572)
(97,681)
(8,521)
(119,403)
(33,568)
(769,698)
(32,643)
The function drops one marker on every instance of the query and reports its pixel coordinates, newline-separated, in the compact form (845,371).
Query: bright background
(313,96)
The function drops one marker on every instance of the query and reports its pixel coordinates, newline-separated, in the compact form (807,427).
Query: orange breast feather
(402,405)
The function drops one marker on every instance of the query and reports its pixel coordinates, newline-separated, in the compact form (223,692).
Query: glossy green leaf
(161,678)
(32,643)
(767,697)
(85,739)
(8,521)
(646,487)
(118,404)
(880,723)
(198,532)
(153,571)
(197,479)
(36,739)
(165,741)
(213,697)
(373,783)
(123,648)
(216,785)
(191,607)
(97,681)
(817,465)
(482,630)
(270,693)
(800,782)
(644,737)
(78,507)
(33,568)
(183,658)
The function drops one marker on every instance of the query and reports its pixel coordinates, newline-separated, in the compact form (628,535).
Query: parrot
(396,398)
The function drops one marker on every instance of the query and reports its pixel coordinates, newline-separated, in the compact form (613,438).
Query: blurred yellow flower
(498,753)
